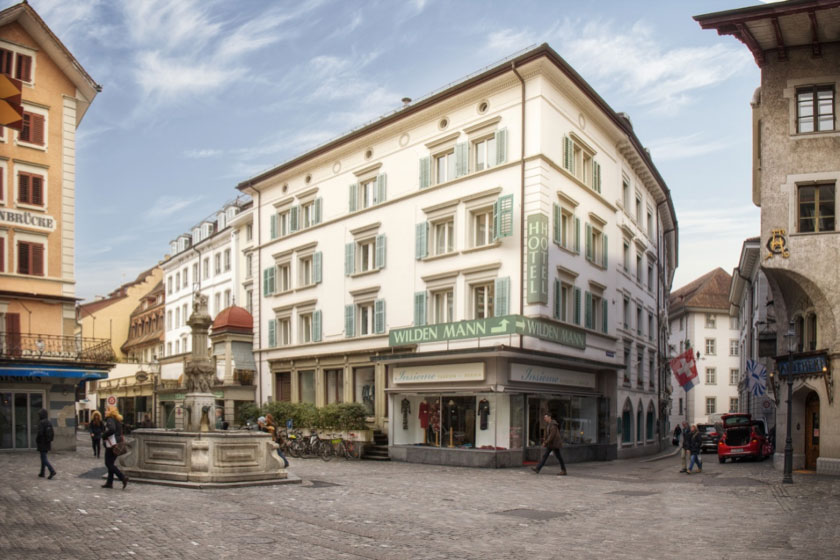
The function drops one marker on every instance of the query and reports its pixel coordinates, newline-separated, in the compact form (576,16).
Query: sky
(199,95)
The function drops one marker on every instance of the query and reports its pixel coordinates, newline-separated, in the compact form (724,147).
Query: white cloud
(685,147)
(716,219)
(167,205)
(202,153)
(508,41)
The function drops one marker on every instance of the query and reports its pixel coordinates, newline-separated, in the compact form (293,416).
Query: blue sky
(199,95)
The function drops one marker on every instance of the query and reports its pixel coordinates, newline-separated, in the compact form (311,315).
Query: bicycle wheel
(325,451)
(341,450)
(295,449)
(353,448)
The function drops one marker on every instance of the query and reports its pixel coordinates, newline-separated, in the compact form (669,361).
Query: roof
(29,19)
(775,27)
(710,291)
(542,51)
(233,319)
(115,296)
(151,296)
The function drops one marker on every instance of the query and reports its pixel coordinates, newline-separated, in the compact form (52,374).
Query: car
(741,437)
(709,437)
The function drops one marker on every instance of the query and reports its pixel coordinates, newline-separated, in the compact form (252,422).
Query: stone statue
(199,372)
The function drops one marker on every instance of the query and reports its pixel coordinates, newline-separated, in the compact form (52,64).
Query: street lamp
(155,367)
(790,337)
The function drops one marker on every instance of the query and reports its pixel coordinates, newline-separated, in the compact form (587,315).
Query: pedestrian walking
(552,442)
(113,434)
(44,441)
(96,427)
(695,444)
(685,450)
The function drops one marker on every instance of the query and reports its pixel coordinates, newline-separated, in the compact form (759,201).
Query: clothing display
(452,413)
(406,410)
(423,415)
(434,417)
(484,412)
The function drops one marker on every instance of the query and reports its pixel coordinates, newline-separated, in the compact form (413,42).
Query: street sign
(112,400)
(11,110)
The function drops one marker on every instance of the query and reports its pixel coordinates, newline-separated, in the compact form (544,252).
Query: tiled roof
(710,291)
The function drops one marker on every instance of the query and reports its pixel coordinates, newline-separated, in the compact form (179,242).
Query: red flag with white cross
(685,369)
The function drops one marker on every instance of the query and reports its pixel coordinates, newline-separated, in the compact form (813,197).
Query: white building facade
(458,268)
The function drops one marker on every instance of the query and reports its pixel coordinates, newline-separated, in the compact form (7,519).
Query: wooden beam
(746,37)
(816,48)
(780,41)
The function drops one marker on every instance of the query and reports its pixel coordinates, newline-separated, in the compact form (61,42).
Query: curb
(660,457)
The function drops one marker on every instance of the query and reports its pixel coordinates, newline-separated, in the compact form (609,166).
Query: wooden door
(284,387)
(812,431)
(13,334)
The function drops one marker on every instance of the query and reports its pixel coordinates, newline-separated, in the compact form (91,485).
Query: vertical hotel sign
(537,267)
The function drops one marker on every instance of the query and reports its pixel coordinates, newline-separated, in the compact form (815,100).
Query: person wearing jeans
(113,427)
(695,444)
(553,442)
(44,441)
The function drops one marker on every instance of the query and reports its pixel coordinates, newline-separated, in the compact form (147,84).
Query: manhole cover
(632,493)
(321,484)
(94,473)
(254,539)
(734,481)
(237,516)
(534,514)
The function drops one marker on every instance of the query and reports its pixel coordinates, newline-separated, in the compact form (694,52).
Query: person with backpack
(112,435)
(44,441)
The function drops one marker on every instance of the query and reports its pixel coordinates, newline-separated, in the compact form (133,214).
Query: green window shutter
(503,217)
(577,306)
(265,282)
(380,251)
(605,315)
(293,218)
(349,259)
(354,197)
(567,153)
(316,325)
(273,223)
(419,309)
(425,171)
(349,320)
(501,146)
(381,187)
(556,298)
(272,333)
(606,249)
(317,266)
(462,159)
(316,211)
(577,235)
(558,217)
(588,310)
(268,281)
(589,247)
(379,316)
(421,245)
(501,296)
(596,176)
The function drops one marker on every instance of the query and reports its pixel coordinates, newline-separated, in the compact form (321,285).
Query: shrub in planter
(248,413)
(352,416)
(281,411)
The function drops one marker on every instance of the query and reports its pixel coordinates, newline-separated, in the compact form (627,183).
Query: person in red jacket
(553,442)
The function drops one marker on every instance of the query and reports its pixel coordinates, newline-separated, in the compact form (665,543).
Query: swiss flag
(685,369)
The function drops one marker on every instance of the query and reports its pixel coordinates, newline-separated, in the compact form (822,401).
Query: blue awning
(31,371)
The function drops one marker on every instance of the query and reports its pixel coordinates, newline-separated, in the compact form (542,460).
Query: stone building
(700,320)
(498,250)
(796,170)
(41,361)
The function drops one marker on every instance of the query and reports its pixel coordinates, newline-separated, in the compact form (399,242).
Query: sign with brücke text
(32,220)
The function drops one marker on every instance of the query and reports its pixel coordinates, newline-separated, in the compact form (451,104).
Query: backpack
(49,433)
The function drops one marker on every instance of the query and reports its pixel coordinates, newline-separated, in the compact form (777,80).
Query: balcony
(52,348)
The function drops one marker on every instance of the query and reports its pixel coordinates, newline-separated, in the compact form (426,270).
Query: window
(185,276)
(595,312)
(682,323)
(227,299)
(168,320)
(711,321)
(626,310)
(651,329)
(249,265)
(639,322)
(169,285)
(578,160)
(639,268)
(305,268)
(334,386)
(482,299)
(711,347)
(306,383)
(627,352)
(30,189)
(217,263)
(249,301)
(364,311)
(638,214)
(369,192)
(649,222)
(305,328)
(815,109)
(443,236)
(596,245)
(227,260)
(626,257)
(30,258)
(283,220)
(206,268)
(177,317)
(217,303)
(311,213)
(651,370)
(482,227)
(733,404)
(22,70)
(32,130)
(485,153)
(625,193)
(733,347)
(249,232)
(733,376)
(640,365)
(443,306)
(711,376)
(168,348)
(734,323)
(816,208)
(711,405)
(195,272)
(364,318)
(284,277)
(177,281)
(364,388)
(650,283)
(563,299)
(364,255)
(366,250)
(284,331)
(444,166)
(177,346)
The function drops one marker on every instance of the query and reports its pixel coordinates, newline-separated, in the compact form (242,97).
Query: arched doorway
(812,430)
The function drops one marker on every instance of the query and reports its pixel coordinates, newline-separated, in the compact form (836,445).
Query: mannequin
(484,412)
(406,410)
(452,412)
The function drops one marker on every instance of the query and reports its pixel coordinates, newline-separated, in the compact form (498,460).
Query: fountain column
(199,372)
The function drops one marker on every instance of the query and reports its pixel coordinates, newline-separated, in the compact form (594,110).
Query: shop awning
(36,371)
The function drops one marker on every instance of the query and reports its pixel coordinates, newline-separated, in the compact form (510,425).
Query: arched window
(651,417)
(627,423)
(640,423)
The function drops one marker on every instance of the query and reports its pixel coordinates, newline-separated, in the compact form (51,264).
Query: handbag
(119,448)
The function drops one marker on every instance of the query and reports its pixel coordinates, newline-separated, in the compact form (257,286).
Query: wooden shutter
(37,129)
(589,248)
(36,190)
(501,146)
(425,171)
(37,259)
(316,211)
(596,176)
(24,68)
(503,217)
(381,188)
(273,223)
(568,153)
(604,315)
(353,197)
(25,134)
(23,187)
(606,250)
(272,333)
(2,254)
(577,306)
(577,235)
(588,310)
(419,309)
(557,298)
(421,245)
(379,261)
(23,258)
(462,159)
(317,266)
(379,316)
(268,281)
(349,320)
(501,296)
(6,58)
(349,258)
(294,212)
(316,325)
(558,220)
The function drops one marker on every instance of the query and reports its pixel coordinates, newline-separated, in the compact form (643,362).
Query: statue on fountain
(199,372)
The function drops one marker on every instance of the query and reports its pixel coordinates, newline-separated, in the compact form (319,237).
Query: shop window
(639,424)
(364,388)
(306,384)
(578,417)
(627,423)
(283,386)
(649,421)
(334,386)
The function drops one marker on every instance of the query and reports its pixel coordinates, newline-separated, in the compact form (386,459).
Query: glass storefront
(580,418)
(334,382)
(364,388)
(307,386)
(19,419)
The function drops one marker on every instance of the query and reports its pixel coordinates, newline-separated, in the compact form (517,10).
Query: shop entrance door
(19,419)
(284,387)
(812,431)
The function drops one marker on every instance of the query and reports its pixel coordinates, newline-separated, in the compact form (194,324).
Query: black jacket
(686,439)
(41,440)
(96,429)
(695,442)
(112,427)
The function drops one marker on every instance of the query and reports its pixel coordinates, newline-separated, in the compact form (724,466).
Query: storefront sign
(803,365)
(551,376)
(537,268)
(493,326)
(444,373)
(28,219)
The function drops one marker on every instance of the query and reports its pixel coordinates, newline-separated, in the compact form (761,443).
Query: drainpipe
(749,330)
(660,239)
(521,203)
(259,298)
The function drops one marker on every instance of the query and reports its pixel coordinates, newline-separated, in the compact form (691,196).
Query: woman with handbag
(112,436)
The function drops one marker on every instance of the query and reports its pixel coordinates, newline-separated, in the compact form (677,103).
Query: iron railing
(28,346)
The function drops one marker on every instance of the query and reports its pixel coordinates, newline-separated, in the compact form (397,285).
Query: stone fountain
(199,455)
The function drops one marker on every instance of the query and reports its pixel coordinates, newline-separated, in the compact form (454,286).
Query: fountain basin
(220,459)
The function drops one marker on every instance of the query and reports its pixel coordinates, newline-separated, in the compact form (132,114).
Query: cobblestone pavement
(621,509)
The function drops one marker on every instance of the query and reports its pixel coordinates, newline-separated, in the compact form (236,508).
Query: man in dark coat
(44,441)
(553,442)
(695,446)
(686,446)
